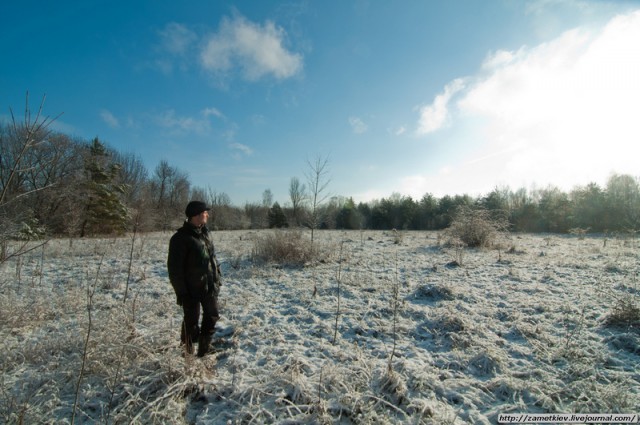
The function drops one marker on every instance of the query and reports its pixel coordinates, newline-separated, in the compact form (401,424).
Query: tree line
(55,184)
(590,208)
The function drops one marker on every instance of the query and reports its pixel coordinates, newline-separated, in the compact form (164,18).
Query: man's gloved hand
(179,299)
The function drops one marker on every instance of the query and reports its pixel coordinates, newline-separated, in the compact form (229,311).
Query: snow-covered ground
(396,332)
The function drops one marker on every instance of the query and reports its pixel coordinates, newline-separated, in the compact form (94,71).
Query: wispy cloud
(177,39)
(434,116)
(170,120)
(239,147)
(257,50)
(188,124)
(357,125)
(213,111)
(176,47)
(109,118)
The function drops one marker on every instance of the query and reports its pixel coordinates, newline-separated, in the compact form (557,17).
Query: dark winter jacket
(193,268)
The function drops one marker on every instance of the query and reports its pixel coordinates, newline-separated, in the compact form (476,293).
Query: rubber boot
(204,343)
(186,340)
(188,348)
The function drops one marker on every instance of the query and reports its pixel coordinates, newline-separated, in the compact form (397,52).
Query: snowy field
(394,333)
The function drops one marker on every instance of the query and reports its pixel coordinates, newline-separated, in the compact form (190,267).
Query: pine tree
(105,213)
(276,217)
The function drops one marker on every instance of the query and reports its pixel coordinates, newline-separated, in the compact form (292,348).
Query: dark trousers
(191,330)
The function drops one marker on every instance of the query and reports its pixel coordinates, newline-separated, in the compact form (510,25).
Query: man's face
(200,219)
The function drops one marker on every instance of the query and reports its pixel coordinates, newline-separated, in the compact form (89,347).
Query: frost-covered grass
(546,326)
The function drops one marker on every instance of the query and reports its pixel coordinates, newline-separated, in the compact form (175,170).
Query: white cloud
(257,50)
(168,119)
(443,182)
(213,111)
(414,186)
(357,125)
(109,118)
(177,38)
(400,131)
(177,44)
(434,116)
(186,124)
(561,113)
(498,59)
(241,148)
(369,195)
(258,119)
(564,112)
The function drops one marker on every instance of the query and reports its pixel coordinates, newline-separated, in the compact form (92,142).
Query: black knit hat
(195,208)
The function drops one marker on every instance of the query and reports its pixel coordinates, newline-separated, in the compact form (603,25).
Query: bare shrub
(16,221)
(487,362)
(284,247)
(393,388)
(451,323)
(624,313)
(435,292)
(476,227)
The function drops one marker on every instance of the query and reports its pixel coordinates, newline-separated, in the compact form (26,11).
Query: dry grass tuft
(487,362)
(625,313)
(393,387)
(435,292)
(289,247)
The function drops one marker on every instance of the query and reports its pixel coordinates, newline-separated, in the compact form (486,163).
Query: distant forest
(57,185)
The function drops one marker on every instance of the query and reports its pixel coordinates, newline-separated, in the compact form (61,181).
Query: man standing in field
(194,273)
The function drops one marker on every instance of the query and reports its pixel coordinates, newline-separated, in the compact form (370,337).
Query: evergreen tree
(349,217)
(427,212)
(555,210)
(588,208)
(277,218)
(105,212)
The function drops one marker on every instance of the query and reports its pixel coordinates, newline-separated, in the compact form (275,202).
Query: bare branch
(318,180)
(29,129)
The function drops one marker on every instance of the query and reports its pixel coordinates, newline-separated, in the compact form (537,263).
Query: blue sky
(415,96)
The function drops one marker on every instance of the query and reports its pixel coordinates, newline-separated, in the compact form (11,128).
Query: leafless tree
(27,136)
(256,214)
(16,146)
(54,162)
(261,214)
(267,198)
(132,174)
(171,187)
(225,216)
(297,194)
(200,194)
(318,180)
(219,198)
